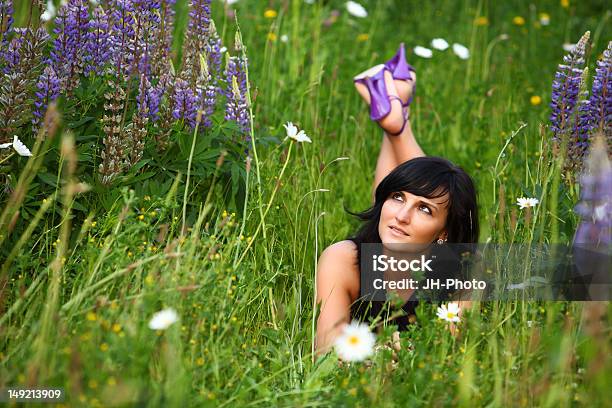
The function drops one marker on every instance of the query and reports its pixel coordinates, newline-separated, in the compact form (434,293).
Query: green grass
(80,296)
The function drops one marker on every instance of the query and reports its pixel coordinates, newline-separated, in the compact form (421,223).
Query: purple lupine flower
(595,207)
(143,100)
(162,45)
(154,95)
(48,90)
(566,87)
(70,45)
(601,94)
(206,92)
(199,20)
(196,38)
(213,51)
(122,36)
(146,20)
(98,42)
(236,108)
(6,22)
(579,138)
(12,56)
(185,103)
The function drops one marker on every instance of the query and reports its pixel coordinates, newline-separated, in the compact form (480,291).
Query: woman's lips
(398,231)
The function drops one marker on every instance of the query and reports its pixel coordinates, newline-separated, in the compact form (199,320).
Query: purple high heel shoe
(400,69)
(380,100)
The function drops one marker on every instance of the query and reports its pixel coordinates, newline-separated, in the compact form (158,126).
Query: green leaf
(80,122)
(47,178)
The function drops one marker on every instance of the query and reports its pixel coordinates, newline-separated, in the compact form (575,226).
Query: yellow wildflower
(103,347)
(535,100)
(116,327)
(518,20)
(565,3)
(363,37)
(481,21)
(269,13)
(200,361)
(141,217)
(271,37)
(91,316)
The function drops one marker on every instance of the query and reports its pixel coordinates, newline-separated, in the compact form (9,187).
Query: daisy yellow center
(450,315)
(353,340)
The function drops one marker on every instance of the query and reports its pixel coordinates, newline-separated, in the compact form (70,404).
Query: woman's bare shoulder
(345,250)
(338,263)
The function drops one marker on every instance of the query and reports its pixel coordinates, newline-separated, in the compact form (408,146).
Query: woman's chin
(407,244)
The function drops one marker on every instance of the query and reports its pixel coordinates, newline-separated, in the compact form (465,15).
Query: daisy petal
(422,52)
(20,148)
(355,9)
(461,51)
(439,44)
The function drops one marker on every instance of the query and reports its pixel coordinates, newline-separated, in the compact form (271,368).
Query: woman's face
(410,219)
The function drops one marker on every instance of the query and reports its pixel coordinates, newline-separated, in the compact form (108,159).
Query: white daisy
(461,51)
(439,44)
(524,202)
(284,38)
(355,9)
(356,343)
(19,147)
(292,132)
(449,312)
(163,319)
(422,52)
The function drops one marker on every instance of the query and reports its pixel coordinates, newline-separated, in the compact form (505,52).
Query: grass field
(80,291)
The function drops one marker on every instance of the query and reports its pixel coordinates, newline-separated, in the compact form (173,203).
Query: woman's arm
(337,285)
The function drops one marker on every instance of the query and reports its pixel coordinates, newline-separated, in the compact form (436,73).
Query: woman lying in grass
(417,200)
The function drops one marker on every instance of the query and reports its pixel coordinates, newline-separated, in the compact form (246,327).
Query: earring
(440,241)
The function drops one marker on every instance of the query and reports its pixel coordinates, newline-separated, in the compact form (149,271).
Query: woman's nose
(404,214)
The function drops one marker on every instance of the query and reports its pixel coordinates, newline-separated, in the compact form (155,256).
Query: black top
(364,310)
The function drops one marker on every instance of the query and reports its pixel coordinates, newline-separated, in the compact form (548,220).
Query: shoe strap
(405,115)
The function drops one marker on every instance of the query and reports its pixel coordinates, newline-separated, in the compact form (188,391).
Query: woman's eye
(426,209)
(396,196)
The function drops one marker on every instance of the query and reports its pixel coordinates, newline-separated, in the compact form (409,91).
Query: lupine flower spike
(600,117)
(566,87)
(595,206)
